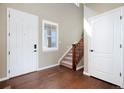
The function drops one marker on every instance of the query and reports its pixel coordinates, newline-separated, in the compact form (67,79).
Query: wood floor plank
(58,77)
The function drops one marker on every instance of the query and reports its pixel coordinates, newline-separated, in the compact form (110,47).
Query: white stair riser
(69,58)
(66,65)
(67,62)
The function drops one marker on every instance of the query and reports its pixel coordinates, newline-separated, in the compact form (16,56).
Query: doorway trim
(8,43)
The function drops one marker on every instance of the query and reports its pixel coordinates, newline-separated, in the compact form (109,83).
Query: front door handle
(35,46)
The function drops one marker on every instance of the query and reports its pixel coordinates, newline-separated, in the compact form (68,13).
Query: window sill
(50,49)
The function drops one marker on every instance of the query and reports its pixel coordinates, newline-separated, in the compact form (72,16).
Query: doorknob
(35,47)
(91,50)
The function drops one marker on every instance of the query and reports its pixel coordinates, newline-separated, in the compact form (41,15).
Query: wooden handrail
(77,52)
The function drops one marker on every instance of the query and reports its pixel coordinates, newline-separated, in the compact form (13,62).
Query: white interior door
(105,50)
(23,40)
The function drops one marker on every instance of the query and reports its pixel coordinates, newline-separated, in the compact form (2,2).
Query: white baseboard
(80,67)
(85,73)
(3,79)
(43,68)
(122,86)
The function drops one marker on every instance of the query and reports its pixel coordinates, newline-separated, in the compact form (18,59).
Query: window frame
(46,49)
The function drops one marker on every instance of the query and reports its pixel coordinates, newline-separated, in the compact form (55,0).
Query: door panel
(23,36)
(105,41)
(105,35)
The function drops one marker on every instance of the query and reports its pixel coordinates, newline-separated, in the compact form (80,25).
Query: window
(50,36)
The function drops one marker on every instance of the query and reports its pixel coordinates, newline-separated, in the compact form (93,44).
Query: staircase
(73,56)
(67,60)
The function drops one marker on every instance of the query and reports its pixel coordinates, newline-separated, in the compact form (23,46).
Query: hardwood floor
(57,77)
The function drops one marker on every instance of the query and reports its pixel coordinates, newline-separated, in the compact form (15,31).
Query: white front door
(105,50)
(22,42)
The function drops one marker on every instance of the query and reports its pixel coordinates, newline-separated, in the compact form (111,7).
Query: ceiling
(103,7)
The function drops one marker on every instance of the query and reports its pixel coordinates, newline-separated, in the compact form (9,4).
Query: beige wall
(2,43)
(68,16)
(90,10)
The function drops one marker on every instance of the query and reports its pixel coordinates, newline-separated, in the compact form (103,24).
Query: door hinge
(9,71)
(9,34)
(9,53)
(120,17)
(120,45)
(120,74)
(9,15)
